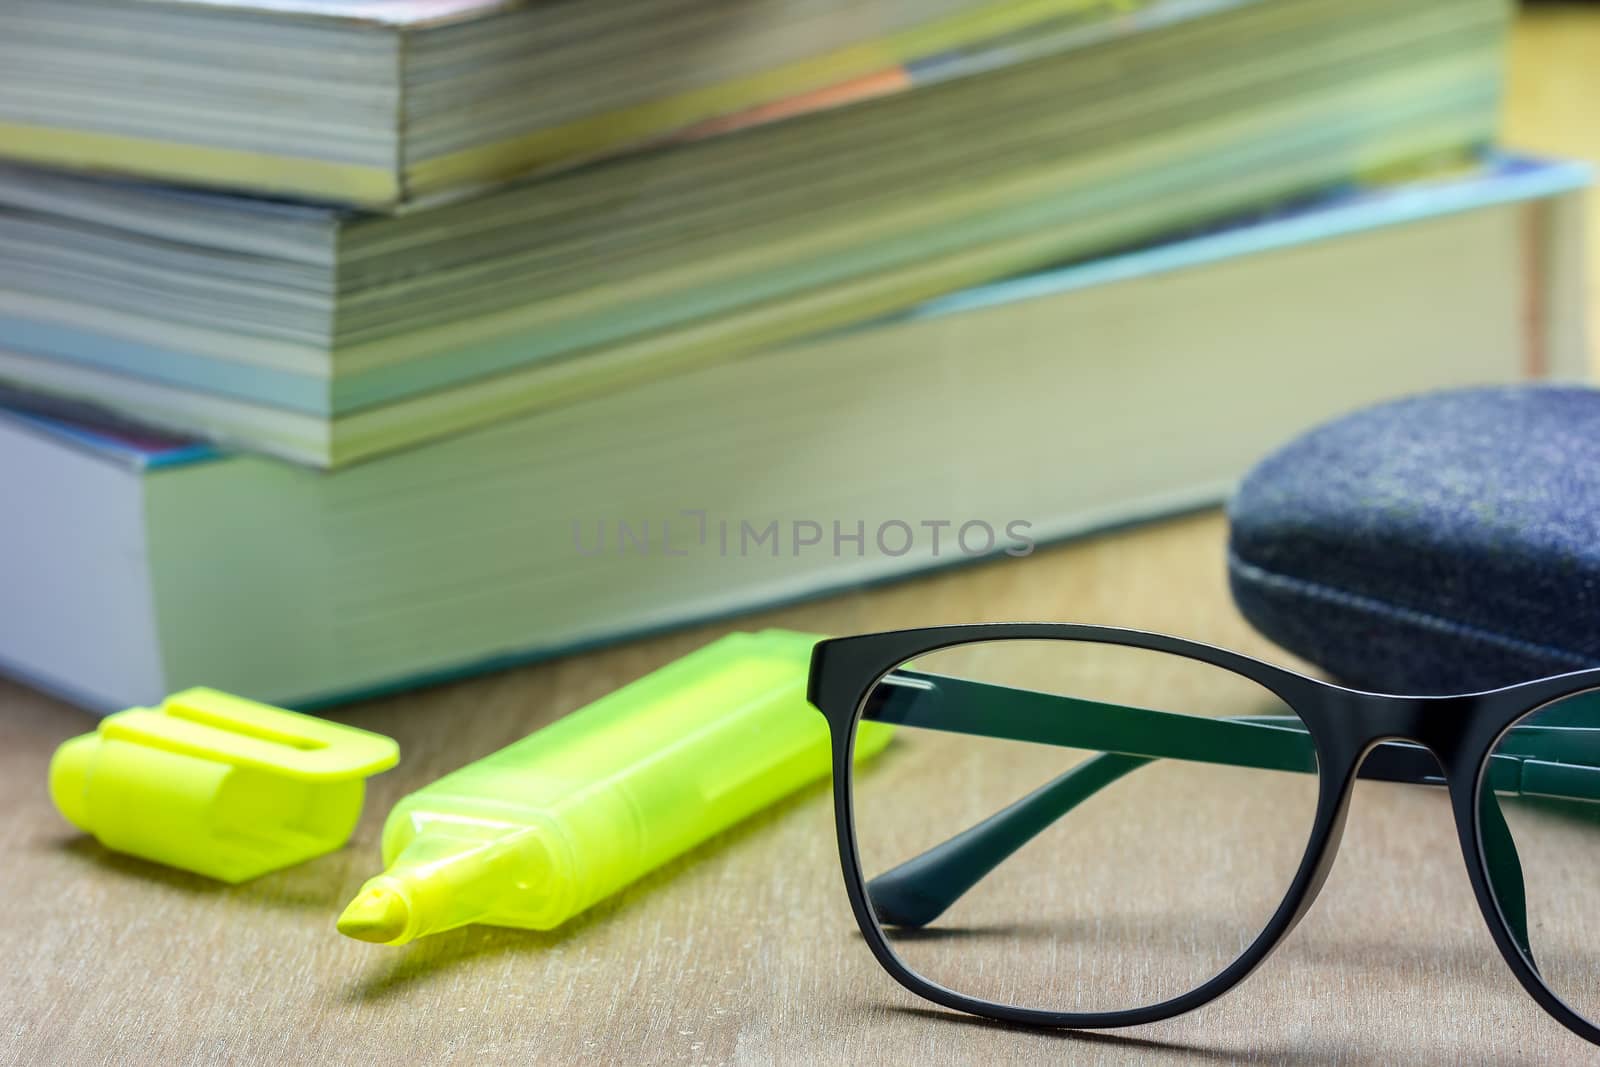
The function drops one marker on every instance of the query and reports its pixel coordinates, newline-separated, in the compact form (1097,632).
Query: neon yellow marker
(217,784)
(539,831)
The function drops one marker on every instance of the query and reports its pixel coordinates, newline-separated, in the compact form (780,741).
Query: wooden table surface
(745,950)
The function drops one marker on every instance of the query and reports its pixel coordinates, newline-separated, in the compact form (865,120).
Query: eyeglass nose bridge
(1427,741)
(1358,723)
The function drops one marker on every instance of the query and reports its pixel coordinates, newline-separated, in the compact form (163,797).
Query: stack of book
(613,315)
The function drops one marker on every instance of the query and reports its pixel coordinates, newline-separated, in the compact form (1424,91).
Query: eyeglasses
(1080,826)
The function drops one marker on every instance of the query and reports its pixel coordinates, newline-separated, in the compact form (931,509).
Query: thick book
(328,337)
(976,427)
(382,102)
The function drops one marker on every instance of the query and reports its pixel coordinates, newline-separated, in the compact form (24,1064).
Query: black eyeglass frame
(1344,725)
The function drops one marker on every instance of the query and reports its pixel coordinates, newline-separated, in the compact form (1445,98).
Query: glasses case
(1440,543)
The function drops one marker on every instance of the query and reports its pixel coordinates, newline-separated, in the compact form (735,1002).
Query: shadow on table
(1132,1044)
(1476,961)
(421,959)
(1135,1045)
(306,886)
(1466,963)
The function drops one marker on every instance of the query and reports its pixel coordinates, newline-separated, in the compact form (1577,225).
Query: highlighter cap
(216,784)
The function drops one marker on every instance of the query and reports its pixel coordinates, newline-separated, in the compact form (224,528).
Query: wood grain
(744,951)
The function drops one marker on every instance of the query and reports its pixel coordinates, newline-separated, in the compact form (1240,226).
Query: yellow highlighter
(217,784)
(537,832)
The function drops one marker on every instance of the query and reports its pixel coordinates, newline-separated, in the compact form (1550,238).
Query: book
(328,337)
(974,427)
(378,103)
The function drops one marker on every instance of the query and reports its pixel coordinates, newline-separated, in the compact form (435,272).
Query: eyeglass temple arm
(917,891)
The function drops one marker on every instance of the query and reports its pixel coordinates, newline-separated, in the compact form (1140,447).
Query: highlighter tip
(377,915)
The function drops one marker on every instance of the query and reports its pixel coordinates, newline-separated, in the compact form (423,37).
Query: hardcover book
(977,427)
